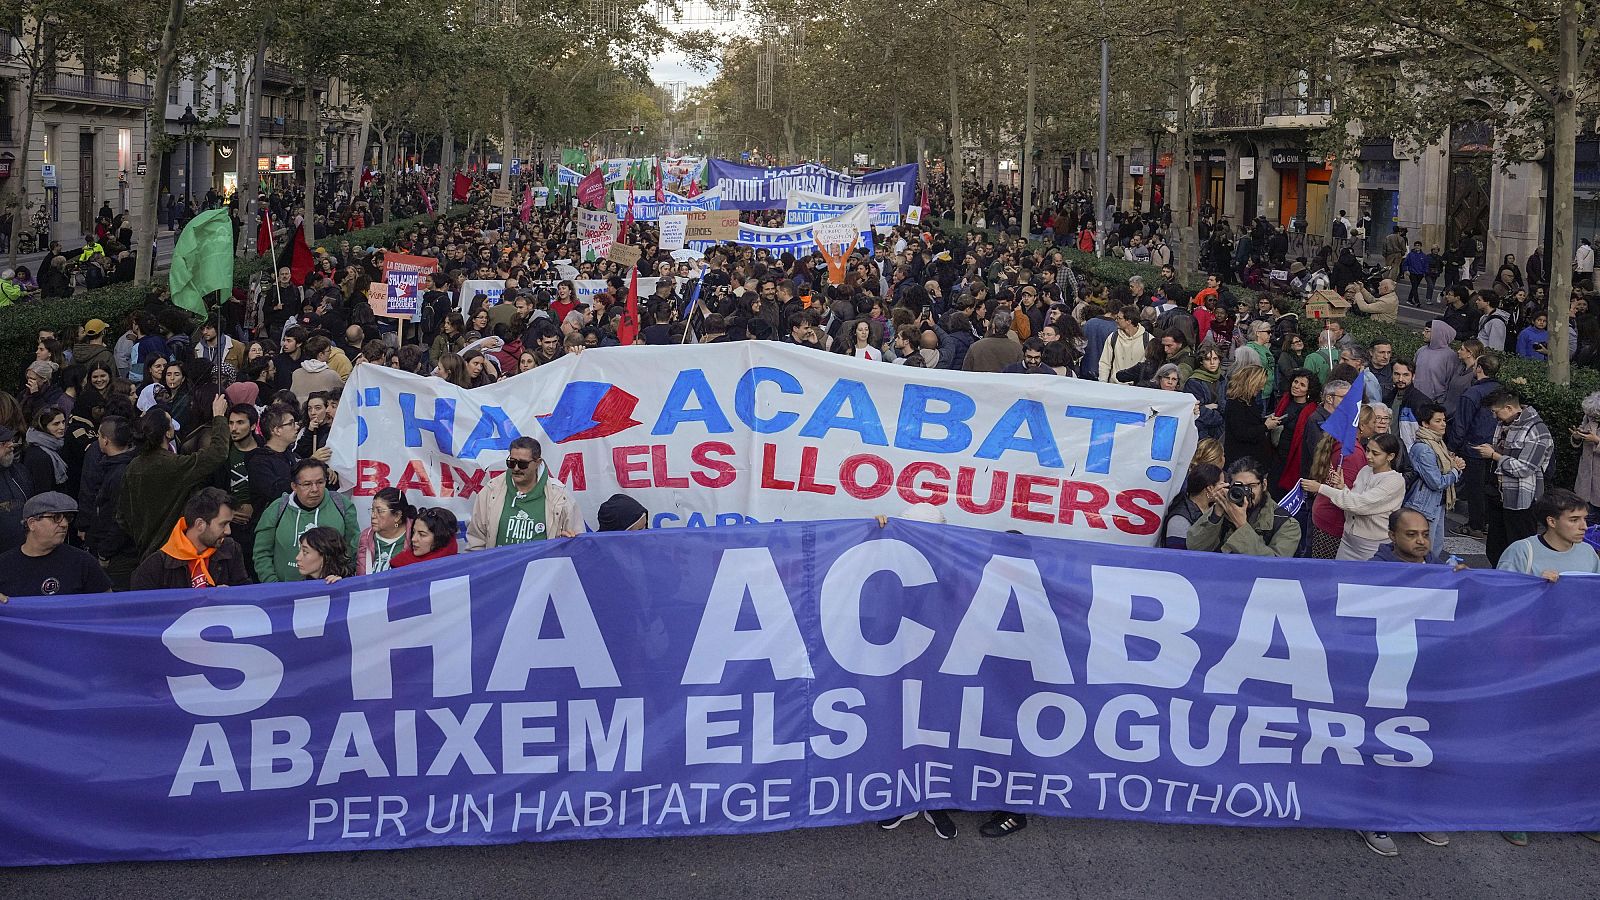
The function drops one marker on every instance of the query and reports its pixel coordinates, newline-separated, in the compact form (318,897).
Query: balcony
(1287,112)
(278,73)
(278,126)
(61,89)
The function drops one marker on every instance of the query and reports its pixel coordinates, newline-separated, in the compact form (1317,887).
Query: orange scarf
(179,547)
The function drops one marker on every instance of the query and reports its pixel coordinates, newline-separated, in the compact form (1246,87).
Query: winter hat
(620,512)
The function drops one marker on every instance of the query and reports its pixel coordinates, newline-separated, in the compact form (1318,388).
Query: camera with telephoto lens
(1239,494)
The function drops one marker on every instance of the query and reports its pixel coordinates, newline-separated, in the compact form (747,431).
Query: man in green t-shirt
(526,504)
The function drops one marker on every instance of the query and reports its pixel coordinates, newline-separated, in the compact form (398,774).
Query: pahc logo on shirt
(522,527)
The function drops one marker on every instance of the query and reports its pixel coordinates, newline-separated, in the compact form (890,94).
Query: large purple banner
(718,680)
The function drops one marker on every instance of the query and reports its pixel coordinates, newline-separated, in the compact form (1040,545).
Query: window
(172,90)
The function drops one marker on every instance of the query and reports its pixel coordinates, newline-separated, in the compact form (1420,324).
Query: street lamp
(189,121)
(327,153)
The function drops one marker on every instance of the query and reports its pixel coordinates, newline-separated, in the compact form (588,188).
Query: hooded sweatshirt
(279,528)
(314,375)
(1437,363)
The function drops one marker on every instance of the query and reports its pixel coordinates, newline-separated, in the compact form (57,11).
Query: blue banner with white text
(767,187)
(727,680)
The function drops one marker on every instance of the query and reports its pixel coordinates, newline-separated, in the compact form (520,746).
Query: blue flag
(694,295)
(1293,501)
(1341,423)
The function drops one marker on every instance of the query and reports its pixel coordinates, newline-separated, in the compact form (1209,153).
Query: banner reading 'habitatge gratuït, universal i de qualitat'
(710,681)
(757,431)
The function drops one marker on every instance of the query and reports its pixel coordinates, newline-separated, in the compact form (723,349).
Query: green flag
(202,260)
(576,160)
(551,182)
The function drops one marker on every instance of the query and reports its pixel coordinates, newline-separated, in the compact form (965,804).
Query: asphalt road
(1053,858)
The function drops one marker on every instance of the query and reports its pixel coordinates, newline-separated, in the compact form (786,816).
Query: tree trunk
(390,169)
(1565,153)
(955,167)
(1181,187)
(144,232)
(447,152)
(22,217)
(362,137)
(507,136)
(313,127)
(251,180)
(1027,125)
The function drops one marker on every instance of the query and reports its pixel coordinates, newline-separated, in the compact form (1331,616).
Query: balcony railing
(1254,115)
(278,73)
(88,87)
(271,125)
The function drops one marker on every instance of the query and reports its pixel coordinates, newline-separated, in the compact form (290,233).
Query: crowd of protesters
(162,452)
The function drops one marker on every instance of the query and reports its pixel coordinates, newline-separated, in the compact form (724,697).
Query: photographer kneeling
(1243,518)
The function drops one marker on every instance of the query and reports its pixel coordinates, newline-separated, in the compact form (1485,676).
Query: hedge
(20,323)
(1560,407)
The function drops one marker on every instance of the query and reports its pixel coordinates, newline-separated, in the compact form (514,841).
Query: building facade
(87,146)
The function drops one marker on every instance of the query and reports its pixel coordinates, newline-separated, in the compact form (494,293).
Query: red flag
(426,200)
(367,175)
(264,233)
(592,189)
(527,202)
(300,262)
(694,186)
(661,188)
(462,188)
(628,326)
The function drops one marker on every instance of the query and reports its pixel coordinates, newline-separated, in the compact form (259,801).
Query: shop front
(1302,188)
(1378,198)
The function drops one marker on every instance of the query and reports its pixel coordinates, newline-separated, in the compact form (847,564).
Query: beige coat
(560,513)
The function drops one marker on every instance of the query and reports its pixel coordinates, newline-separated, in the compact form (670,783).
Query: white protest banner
(647,209)
(491,288)
(541,197)
(760,431)
(673,229)
(597,229)
(797,239)
(585,289)
(803,207)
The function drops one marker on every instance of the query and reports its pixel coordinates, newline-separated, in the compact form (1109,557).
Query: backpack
(1340,232)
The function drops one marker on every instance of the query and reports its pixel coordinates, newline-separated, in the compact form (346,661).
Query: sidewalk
(164,242)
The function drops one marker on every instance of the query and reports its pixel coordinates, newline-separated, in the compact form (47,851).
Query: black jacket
(15,489)
(269,474)
(160,571)
(97,503)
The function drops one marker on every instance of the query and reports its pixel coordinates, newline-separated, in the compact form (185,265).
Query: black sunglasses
(519,464)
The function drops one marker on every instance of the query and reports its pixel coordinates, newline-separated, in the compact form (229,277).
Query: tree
(50,33)
(1530,62)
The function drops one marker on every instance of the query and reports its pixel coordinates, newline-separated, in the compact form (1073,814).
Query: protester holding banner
(525,505)
(388,536)
(46,564)
(200,552)
(323,554)
(309,504)
(432,536)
